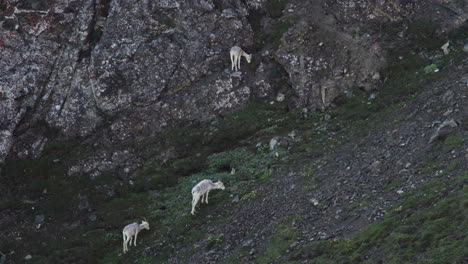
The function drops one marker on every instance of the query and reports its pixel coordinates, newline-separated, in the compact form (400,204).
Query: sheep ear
(144,219)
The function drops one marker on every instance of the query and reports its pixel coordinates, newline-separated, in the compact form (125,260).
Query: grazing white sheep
(202,190)
(131,231)
(236,55)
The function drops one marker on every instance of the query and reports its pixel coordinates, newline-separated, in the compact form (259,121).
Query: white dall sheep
(131,231)
(236,55)
(202,190)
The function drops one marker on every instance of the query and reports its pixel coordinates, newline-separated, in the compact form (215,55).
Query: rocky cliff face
(116,72)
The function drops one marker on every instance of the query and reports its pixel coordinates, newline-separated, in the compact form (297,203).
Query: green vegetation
(169,212)
(453,141)
(214,242)
(405,78)
(273,36)
(431,227)
(431,167)
(393,184)
(249,196)
(275,8)
(95,35)
(285,234)
(430,68)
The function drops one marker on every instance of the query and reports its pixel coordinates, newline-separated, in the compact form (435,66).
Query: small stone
(315,202)
(92,217)
(400,191)
(228,13)
(236,199)
(252,251)
(39,219)
(236,74)
(280,97)
(407,165)
(273,143)
(83,202)
(375,166)
(320,44)
(153,193)
(247,243)
(323,235)
(376,76)
(448,112)
(448,96)
(443,130)
(28,257)
(445,49)
(327,117)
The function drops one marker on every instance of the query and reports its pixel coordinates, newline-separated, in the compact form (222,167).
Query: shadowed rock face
(83,62)
(120,71)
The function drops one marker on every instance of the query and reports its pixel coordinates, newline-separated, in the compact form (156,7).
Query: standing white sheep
(202,190)
(236,55)
(131,231)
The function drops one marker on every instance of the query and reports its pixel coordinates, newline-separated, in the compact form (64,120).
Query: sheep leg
(238,62)
(232,62)
(127,239)
(195,199)
(206,197)
(124,243)
(134,240)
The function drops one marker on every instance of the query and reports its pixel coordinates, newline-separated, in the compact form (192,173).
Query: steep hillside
(348,137)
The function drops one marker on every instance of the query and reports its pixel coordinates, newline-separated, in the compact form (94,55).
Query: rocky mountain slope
(112,110)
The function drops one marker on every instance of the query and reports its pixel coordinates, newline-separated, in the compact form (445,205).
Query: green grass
(430,228)
(393,184)
(214,242)
(169,212)
(453,141)
(431,167)
(285,234)
(275,8)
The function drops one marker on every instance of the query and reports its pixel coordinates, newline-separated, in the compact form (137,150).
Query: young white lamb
(236,55)
(131,231)
(202,190)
